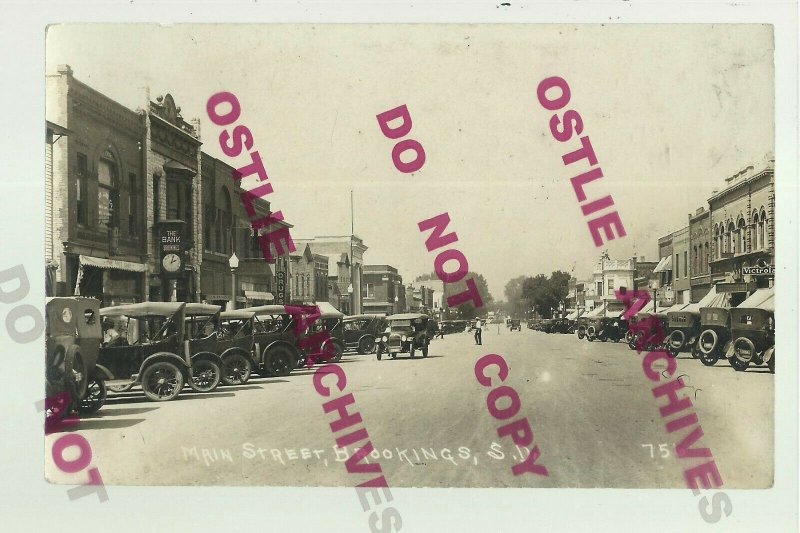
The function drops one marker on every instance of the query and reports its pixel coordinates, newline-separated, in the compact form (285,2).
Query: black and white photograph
(536,261)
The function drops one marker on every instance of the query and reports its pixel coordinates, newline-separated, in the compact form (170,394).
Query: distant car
(406,333)
(515,325)
(73,335)
(361,332)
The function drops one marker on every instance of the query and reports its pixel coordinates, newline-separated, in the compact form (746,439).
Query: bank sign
(171,245)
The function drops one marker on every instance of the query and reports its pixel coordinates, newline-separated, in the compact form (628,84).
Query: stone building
(611,274)
(743,229)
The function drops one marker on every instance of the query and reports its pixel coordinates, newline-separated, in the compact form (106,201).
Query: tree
(545,294)
(466,310)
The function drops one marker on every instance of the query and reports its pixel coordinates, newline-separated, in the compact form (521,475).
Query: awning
(259,295)
(704,301)
(98,262)
(664,265)
(761,299)
(217,297)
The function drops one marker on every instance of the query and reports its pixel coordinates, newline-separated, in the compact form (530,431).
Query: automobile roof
(406,316)
(266,309)
(236,315)
(596,312)
(369,315)
(143,309)
(202,309)
(761,299)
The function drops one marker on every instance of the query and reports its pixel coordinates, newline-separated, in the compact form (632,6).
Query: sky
(671,111)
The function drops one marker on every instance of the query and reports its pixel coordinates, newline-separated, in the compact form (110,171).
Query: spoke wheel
(236,369)
(337,353)
(206,375)
(162,381)
(280,361)
(95,396)
(739,366)
(366,346)
(75,374)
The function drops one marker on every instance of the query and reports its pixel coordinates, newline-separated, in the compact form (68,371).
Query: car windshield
(200,327)
(400,324)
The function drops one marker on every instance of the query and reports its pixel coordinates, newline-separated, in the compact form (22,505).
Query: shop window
(108,192)
(762,231)
(369,291)
(133,205)
(83,189)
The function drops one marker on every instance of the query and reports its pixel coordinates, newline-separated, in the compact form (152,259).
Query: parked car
(515,325)
(149,350)
(684,327)
(236,343)
(406,333)
(647,330)
(73,335)
(275,345)
(753,331)
(201,331)
(361,331)
(715,337)
(331,346)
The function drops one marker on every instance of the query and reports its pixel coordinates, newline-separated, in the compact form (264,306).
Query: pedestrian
(478,327)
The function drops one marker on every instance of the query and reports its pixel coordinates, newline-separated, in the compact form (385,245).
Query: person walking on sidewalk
(478,327)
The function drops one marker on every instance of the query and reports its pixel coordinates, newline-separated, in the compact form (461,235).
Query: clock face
(171,262)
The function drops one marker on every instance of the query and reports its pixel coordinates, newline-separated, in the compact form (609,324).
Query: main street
(591,408)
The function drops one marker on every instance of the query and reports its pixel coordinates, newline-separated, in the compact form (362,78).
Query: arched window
(694,259)
(762,230)
(730,238)
(107,192)
(741,236)
(755,242)
(708,257)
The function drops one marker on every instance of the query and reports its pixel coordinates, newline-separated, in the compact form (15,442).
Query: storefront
(111,281)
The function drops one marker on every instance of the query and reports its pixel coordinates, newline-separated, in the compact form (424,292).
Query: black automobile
(325,339)
(361,331)
(515,325)
(715,336)
(275,344)
(406,333)
(753,331)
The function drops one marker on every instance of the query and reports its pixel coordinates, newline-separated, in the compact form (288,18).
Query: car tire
(696,351)
(366,345)
(206,375)
(672,351)
(162,381)
(236,369)
(739,366)
(279,361)
(771,363)
(75,376)
(710,358)
(95,396)
(337,353)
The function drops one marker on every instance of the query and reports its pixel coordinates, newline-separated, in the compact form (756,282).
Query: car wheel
(75,373)
(206,375)
(672,351)
(366,345)
(279,361)
(696,351)
(162,381)
(301,362)
(337,353)
(634,340)
(710,358)
(236,369)
(95,396)
(739,366)
(581,334)
(589,338)
(771,362)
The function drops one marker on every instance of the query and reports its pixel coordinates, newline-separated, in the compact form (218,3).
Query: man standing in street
(478,326)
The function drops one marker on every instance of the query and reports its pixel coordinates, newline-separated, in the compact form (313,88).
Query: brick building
(680,266)
(663,272)
(345,266)
(383,290)
(309,279)
(96,227)
(699,253)
(115,177)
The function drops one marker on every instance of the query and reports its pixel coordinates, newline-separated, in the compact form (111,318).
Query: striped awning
(664,265)
(98,262)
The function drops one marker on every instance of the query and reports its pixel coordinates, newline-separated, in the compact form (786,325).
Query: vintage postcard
(274,252)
